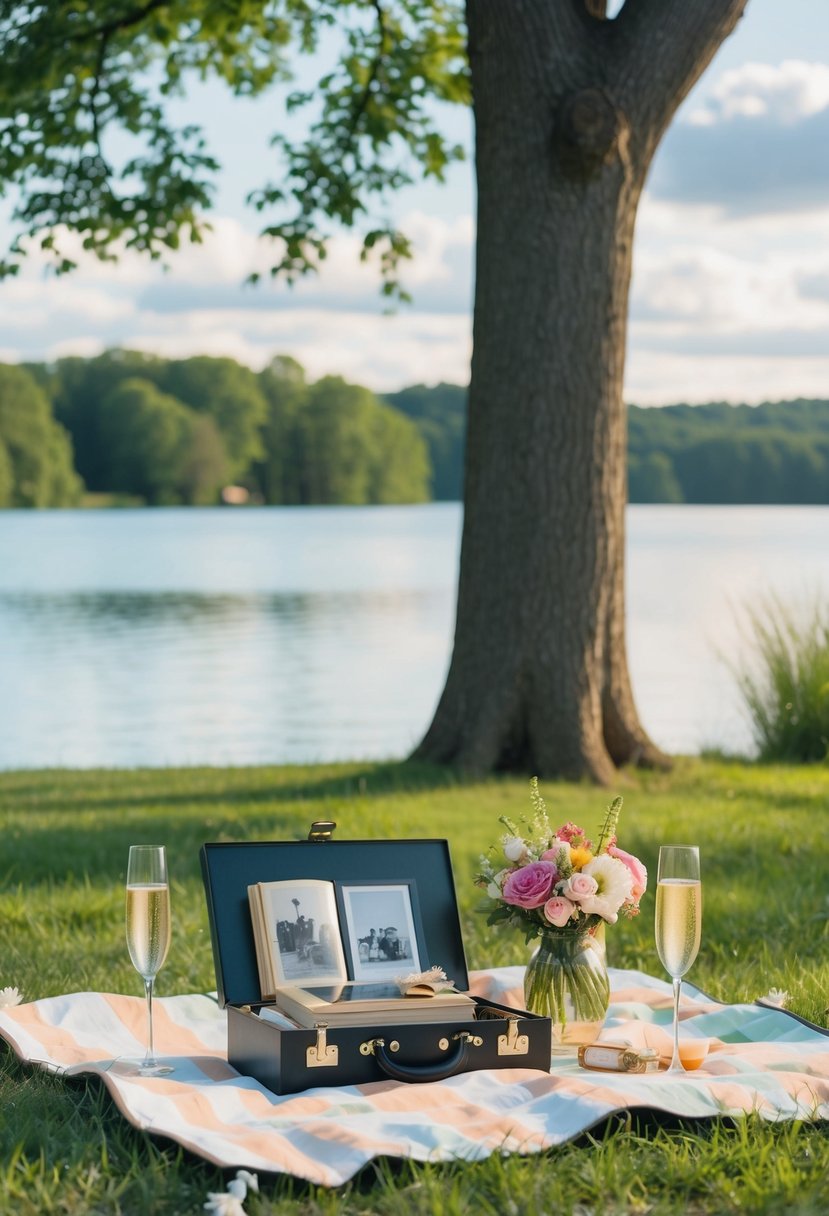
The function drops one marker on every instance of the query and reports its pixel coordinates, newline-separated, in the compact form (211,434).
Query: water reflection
(118,678)
(272,636)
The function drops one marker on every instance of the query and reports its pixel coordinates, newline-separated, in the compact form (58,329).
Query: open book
(296,931)
(359,1004)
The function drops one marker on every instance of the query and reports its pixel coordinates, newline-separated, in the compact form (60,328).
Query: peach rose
(579,887)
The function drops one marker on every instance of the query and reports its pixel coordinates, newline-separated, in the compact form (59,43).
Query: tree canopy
(296,443)
(76,74)
(36,467)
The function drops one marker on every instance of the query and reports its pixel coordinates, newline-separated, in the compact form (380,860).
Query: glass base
(567,1039)
(141,1068)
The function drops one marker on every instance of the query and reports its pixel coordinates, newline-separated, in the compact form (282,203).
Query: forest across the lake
(132,428)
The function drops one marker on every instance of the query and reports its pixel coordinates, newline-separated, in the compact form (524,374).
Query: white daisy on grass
(229,1202)
(775,997)
(9,997)
(614,886)
(222,1203)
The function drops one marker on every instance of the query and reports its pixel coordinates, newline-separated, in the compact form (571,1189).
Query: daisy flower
(613,887)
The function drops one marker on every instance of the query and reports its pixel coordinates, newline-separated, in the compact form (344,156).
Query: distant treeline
(132,427)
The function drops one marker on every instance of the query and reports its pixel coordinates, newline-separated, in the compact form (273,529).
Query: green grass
(785,685)
(765,850)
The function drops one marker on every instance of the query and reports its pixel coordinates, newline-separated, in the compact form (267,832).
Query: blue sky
(730,296)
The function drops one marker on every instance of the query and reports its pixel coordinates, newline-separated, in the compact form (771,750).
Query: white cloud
(721,310)
(661,378)
(710,289)
(332,323)
(382,352)
(786,92)
(755,146)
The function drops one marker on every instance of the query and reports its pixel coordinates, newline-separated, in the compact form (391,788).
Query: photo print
(380,929)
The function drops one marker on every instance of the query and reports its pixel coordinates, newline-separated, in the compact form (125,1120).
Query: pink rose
(558,911)
(580,886)
(637,872)
(530,886)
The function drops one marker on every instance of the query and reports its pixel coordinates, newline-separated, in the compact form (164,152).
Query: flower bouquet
(557,887)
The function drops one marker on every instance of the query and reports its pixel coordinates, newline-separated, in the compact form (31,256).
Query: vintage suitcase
(291,1060)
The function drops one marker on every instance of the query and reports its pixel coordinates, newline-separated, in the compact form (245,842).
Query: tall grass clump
(784,681)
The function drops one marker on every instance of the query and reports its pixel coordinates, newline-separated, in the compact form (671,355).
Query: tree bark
(569,109)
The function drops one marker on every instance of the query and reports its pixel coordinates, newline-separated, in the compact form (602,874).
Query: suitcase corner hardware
(321,1054)
(512,1043)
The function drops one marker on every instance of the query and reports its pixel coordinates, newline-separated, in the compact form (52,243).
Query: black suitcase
(290,1060)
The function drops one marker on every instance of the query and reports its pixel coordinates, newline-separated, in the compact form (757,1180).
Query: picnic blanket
(761,1060)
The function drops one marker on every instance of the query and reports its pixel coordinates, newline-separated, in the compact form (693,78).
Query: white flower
(515,849)
(229,1202)
(222,1203)
(252,1180)
(614,885)
(9,997)
(775,997)
(495,887)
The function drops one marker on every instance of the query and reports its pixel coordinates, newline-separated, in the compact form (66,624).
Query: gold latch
(321,830)
(321,1054)
(512,1043)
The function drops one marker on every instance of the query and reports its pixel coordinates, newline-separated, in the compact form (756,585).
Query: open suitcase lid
(229,869)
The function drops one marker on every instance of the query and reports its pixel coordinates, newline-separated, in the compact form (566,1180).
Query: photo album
(347,953)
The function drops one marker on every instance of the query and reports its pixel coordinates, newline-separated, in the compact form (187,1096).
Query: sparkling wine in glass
(148,932)
(678,921)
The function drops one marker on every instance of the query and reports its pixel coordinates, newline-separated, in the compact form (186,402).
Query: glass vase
(566,980)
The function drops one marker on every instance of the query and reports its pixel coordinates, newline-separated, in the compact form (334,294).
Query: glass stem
(676,1063)
(148,989)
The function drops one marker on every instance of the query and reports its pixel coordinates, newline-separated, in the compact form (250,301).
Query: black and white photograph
(380,929)
(305,930)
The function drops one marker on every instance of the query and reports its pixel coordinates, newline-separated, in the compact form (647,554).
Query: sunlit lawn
(765,850)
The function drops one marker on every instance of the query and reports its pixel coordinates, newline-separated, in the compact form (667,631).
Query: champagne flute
(148,932)
(678,921)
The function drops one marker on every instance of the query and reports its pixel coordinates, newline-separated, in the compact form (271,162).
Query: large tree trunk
(569,110)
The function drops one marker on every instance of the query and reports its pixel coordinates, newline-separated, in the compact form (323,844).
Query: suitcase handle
(447,1067)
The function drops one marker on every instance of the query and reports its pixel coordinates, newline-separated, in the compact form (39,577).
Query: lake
(222,636)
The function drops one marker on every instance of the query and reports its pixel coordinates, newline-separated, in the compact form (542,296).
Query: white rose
(514,848)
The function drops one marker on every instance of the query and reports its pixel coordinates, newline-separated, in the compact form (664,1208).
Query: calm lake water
(289,635)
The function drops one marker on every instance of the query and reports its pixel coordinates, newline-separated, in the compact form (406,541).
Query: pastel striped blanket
(761,1060)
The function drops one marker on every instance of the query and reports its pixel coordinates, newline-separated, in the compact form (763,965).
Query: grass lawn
(764,838)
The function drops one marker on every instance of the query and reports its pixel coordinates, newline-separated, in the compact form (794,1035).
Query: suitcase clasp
(321,1054)
(321,830)
(512,1043)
